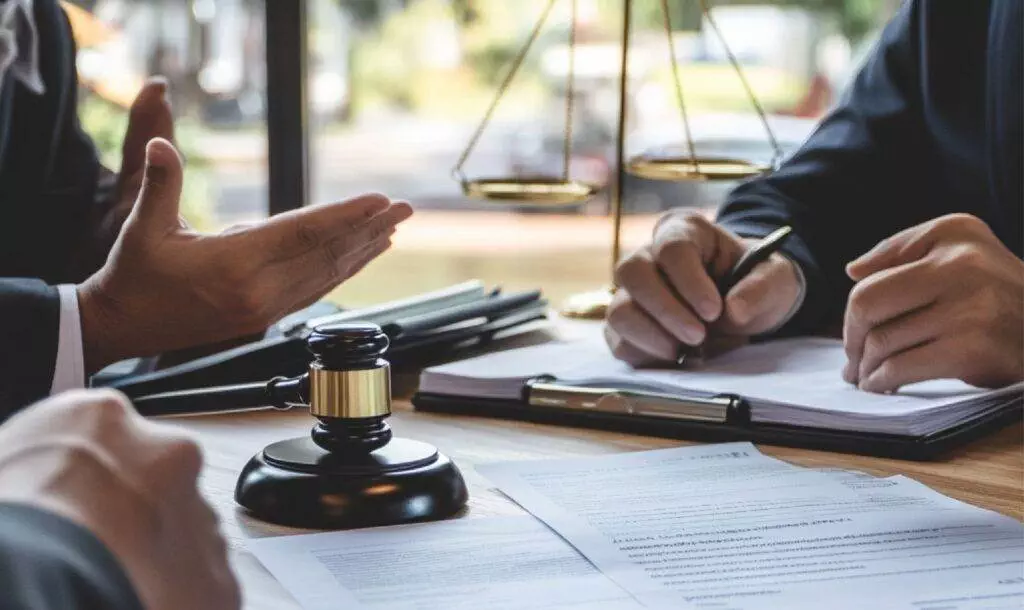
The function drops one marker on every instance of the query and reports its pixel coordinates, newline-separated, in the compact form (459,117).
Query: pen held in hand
(757,254)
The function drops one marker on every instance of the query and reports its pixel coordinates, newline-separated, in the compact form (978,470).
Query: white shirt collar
(19,44)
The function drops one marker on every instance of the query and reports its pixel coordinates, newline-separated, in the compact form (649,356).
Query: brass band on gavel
(350,394)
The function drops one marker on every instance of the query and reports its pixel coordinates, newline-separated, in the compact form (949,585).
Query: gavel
(350,471)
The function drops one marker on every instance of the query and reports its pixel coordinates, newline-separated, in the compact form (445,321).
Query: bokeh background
(397,87)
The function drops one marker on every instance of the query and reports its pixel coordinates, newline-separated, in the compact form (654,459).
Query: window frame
(287,109)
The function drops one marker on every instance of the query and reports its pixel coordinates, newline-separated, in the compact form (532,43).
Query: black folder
(725,418)
(419,328)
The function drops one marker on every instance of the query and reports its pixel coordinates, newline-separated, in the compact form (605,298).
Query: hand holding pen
(689,285)
(759,253)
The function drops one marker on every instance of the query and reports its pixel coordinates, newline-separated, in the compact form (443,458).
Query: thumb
(762,299)
(156,209)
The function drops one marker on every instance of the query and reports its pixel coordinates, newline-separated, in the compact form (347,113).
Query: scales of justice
(350,471)
(560,190)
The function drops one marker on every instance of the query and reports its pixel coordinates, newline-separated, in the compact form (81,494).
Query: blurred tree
(685,14)
(370,13)
(466,11)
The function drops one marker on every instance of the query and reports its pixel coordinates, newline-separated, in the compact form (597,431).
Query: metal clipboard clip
(723,408)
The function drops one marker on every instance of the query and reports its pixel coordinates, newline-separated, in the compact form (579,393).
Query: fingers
(150,117)
(368,254)
(171,453)
(760,301)
(671,284)
(938,359)
(685,249)
(156,209)
(880,298)
(649,341)
(357,261)
(328,261)
(685,271)
(649,292)
(895,336)
(624,350)
(913,244)
(300,232)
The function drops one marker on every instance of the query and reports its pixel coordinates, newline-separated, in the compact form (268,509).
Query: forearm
(853,182)
(50,563)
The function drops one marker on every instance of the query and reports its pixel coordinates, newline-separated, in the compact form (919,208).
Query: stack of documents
(714,526)
(793,382)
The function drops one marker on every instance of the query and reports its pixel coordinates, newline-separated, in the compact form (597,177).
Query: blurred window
(212,53)
(397,87)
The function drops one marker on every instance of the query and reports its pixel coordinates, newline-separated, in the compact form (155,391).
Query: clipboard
(721,418)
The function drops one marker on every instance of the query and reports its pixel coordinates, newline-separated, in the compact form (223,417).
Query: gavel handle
(279,393)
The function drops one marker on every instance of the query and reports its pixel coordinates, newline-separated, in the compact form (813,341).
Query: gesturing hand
(667,296)
(165,287)
(90,458)
(940,300)
(149,117)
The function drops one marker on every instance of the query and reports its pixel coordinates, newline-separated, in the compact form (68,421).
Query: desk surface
(988,473)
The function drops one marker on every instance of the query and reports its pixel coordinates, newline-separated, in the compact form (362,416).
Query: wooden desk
(989,473)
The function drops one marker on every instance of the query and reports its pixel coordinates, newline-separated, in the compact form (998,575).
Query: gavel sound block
(350,472)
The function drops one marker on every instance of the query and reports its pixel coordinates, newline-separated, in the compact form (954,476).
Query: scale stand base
(588,305)
(297,483)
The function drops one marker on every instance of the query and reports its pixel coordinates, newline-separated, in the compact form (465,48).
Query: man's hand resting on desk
(667,295)
(88,457)
(943,299)
(165,287)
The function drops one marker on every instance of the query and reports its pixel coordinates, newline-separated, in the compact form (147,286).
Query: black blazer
(930,126)
(49,172)
(49,563)
(48,188)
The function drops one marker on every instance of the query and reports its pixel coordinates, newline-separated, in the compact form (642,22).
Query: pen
(753,257)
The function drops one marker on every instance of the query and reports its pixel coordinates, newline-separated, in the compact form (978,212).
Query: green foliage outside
(106,124)
(389,68)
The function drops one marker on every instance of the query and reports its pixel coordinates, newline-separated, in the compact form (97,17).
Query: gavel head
(349,387)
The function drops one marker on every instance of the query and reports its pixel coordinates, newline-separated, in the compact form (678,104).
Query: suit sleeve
(76,161)
(29,327)
(50,563)
(854,182)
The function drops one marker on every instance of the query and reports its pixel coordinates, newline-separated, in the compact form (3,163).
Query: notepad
(793,382)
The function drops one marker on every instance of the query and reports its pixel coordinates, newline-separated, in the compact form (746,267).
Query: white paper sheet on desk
(724,527)
(498,563)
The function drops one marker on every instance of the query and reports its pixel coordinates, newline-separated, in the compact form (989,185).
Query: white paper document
(725,527)
(791,381)
(498,563)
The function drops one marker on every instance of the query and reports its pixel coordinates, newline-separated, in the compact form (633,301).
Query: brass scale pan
(549,191)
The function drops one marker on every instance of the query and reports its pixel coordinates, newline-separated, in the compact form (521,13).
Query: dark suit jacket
(930,126)
(49,563)
(49,172)
(48,188)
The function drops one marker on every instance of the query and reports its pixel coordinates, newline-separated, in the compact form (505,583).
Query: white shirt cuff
(69,368)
